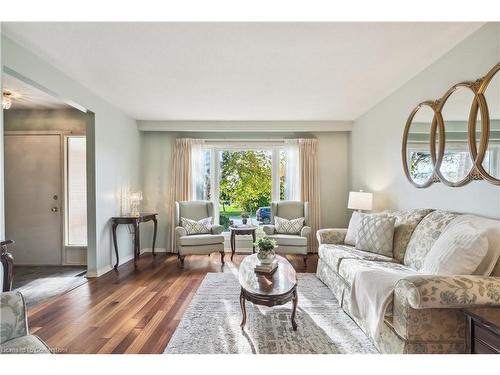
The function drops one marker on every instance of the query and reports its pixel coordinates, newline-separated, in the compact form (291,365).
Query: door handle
(54,209)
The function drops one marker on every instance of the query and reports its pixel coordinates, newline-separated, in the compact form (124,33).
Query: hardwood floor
(130,311)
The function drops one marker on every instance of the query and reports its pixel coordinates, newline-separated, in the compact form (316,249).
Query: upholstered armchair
(14,334)
(197,244)
(290,243)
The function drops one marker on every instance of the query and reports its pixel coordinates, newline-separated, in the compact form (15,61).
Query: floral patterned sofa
(425,314)
(14,333)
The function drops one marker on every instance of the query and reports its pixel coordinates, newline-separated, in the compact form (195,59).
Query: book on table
(266,267)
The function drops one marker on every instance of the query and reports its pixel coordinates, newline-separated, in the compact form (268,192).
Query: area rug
(39,283)
(211,323)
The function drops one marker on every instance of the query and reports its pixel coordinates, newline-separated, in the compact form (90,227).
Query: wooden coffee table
(273,290)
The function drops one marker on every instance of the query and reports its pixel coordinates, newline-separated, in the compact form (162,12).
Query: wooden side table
(237,231)
(134,221)
(483,330)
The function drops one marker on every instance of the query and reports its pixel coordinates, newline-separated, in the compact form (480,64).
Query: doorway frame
(63,163)
(91,172)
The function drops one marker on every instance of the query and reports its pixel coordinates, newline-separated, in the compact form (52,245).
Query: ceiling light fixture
(6,99)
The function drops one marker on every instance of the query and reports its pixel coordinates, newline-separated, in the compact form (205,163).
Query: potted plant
(266,248)
(244,217)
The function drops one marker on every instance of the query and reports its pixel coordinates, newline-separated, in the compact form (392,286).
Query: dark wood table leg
(116,244)
(243,310)
(295,300)
(233,244)
(254,235)
(155,221)
(136,242)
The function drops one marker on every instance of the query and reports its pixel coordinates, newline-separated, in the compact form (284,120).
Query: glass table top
(282,281)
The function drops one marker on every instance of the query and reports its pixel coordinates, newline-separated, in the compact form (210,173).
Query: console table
(135,221)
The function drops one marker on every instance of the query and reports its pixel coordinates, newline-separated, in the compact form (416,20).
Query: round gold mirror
(485,139)
(456,163)
(422,144)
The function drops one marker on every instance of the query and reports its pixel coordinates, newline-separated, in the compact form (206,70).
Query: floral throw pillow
(284,226)
(202,226)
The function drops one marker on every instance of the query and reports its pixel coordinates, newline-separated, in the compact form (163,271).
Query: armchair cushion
(288,240)
(331,236)
(425,292)
(13,323)
(269,229)
(197,226)
(285,226)
(201,239)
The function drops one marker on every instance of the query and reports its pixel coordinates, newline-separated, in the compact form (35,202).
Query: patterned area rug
(211,324)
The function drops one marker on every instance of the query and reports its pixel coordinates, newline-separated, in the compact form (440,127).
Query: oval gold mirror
(420,138)
(456,164)
(485,140)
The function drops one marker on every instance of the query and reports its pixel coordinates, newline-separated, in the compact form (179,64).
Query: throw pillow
(352,229)
(202,226)
(376,234)
(285,226)
(458,251)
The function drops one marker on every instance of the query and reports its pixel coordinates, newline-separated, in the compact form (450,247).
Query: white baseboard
(103,270)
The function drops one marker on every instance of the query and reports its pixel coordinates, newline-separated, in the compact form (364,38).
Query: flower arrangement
(266,248)
(244,217)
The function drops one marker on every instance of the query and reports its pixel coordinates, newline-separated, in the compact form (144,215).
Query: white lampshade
(359,200)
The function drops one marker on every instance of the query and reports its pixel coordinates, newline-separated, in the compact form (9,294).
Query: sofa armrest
(334,236)
(428,292)
(14,321)
(217,229)
(269,229)
(305,231)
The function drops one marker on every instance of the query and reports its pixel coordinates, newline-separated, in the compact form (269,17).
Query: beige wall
(376,136)
(45,119)
(157,153)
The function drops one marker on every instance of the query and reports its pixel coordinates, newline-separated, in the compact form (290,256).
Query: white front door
(33,198)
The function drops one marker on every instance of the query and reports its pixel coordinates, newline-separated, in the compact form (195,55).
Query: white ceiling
(25,96)
(241,71)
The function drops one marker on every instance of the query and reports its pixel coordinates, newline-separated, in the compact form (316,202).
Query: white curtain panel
(183,181)
(197,169)
(292,172)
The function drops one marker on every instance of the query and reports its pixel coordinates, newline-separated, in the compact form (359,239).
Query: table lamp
(135,199)
(359,200)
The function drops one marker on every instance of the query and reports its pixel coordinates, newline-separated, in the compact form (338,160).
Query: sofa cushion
(349,267)
(424,236)
(406,222)
(458,251)
(289,240)
(376,234)
(491,228)
(28,344)
(201,239)
(333,255)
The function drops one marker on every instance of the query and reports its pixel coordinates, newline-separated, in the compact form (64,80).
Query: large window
(242,181)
